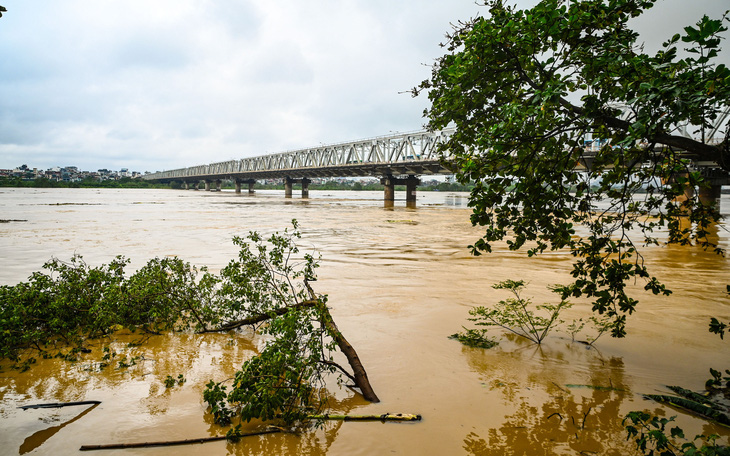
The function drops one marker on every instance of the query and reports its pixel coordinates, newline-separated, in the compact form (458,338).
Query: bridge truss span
(414,153)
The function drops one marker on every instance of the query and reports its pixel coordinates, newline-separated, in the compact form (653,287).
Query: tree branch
(342,369)
(261,317)
(703,151)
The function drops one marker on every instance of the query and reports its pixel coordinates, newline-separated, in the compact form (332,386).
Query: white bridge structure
(396,158)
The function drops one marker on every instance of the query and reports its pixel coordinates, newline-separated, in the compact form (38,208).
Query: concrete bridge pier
(217,185)
(710,195)
(411,182)
(389,191)
(707,194)
(185,185)
(207,185)
(250,183)
(289,182)
(714,178)
(689,190)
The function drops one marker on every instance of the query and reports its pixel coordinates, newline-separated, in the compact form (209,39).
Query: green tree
(528,90)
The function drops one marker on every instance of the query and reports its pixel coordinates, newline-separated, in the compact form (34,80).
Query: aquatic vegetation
(514,314)
(474,338)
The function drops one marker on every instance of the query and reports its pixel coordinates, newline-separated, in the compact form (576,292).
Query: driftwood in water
(384,417)
(59,404)
(121,446)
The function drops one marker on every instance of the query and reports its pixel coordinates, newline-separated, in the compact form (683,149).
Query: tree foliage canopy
(573,135)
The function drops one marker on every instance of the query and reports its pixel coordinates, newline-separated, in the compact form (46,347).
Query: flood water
(400,281)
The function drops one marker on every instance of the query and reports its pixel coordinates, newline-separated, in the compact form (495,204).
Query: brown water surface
(399,282)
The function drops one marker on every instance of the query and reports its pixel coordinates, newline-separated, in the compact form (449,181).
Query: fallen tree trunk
(119,446)
(59,404)
(384,417)
(358,370)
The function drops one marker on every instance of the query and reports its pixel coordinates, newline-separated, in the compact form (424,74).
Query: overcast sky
(163,84)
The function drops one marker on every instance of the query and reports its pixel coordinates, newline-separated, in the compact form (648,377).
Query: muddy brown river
(400,281)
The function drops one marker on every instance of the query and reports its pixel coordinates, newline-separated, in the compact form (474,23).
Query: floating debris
(406,222)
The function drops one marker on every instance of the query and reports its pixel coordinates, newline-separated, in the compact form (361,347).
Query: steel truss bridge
(412,153)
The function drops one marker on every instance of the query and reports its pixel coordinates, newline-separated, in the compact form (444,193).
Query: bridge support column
(389,191)
(710,195)
(411,184)
(689,190)
(207,186)
(288,186)
(217,186)
(240,182)
(185,185)
(389,182)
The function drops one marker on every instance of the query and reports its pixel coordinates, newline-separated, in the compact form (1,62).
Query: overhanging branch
(707,152)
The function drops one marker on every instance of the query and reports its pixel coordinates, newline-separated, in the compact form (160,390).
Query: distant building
(68,173)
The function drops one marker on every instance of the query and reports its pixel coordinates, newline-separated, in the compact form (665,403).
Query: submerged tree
(285,381)
(514,313)
(61,310)
(558,107)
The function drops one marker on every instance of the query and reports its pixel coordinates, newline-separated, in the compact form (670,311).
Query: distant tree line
(89,182)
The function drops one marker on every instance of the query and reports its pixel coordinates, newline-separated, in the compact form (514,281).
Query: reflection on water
(37,439)
(399,280)
(457,199)
(553,415)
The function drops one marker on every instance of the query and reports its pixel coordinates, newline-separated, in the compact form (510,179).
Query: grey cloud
(240,19)
(150,51)
(284,64)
